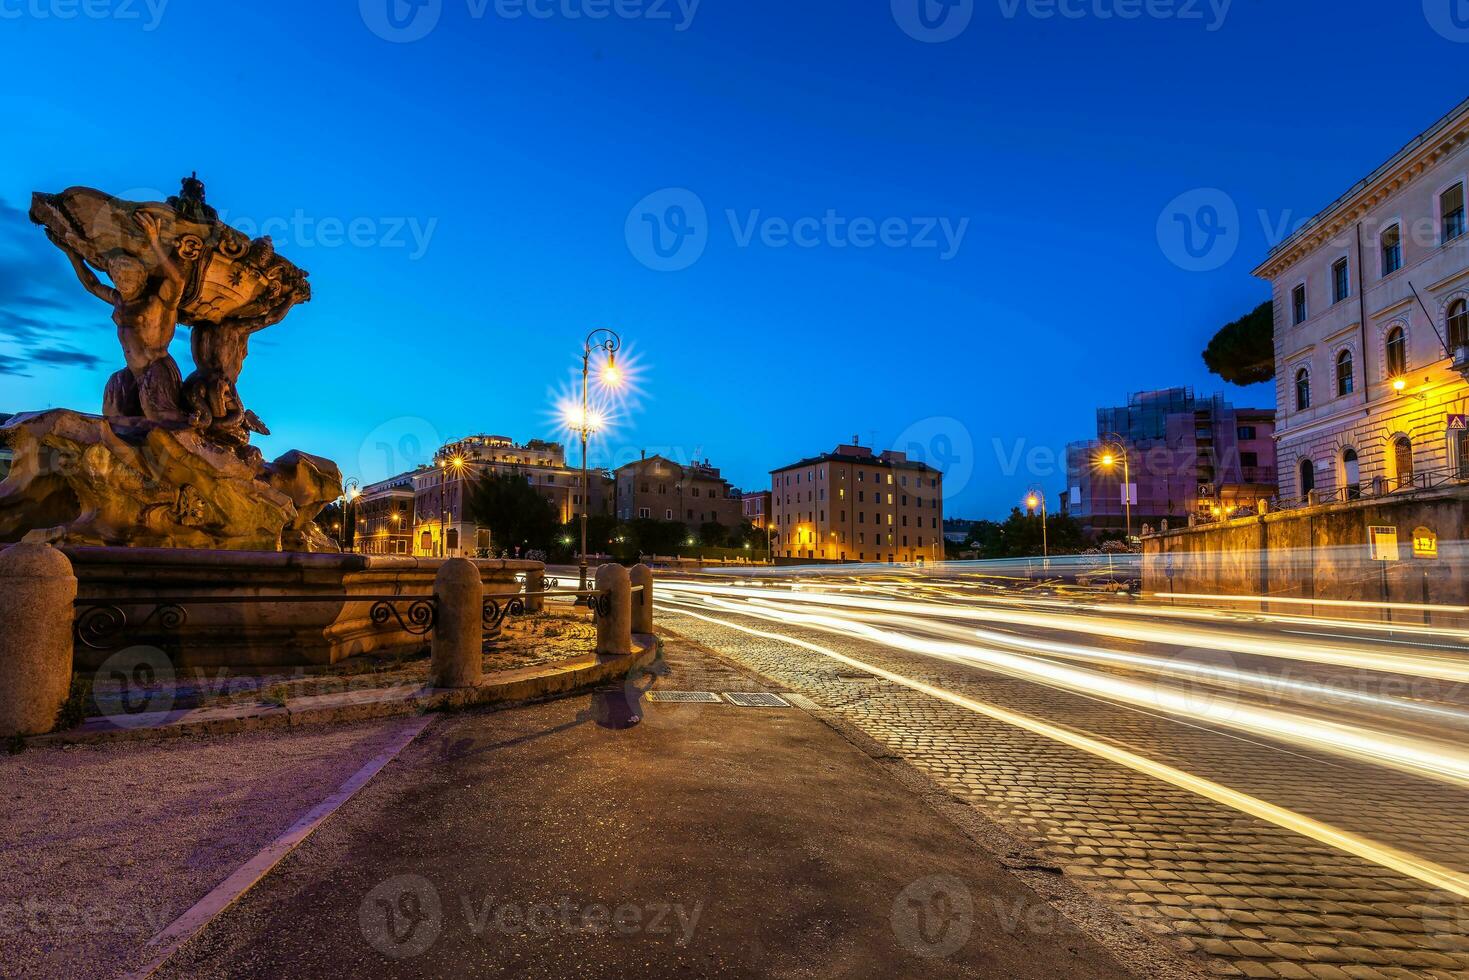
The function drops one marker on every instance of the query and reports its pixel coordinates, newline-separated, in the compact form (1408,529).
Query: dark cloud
(64,356)
(39,296)
(13,366)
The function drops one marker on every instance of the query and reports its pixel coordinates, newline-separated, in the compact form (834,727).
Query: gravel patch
(101,846)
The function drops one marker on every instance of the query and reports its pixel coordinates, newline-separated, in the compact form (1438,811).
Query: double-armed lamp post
(598,340)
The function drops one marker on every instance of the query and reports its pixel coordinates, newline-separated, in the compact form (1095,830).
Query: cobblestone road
(1245,896)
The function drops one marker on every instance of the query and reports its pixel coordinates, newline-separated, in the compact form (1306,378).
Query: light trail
(1384,855)
(1341,654)
(1334,603)
(1419,756)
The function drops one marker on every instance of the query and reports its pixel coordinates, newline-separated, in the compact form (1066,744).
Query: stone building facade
(433,497)
(851,505)
(1372,330)
(657,488)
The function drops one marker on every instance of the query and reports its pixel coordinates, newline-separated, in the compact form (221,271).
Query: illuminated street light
(1399,384)
(588,421)
(1114,447)
(1037,498)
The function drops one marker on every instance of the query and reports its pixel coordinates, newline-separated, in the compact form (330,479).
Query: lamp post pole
(1114,441)
(1038,498)
(610,343)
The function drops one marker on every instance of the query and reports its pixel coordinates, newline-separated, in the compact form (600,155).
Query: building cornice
(1444,138)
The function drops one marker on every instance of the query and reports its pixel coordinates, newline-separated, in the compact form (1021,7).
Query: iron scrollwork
(421,617)
(493,614)
(99,624)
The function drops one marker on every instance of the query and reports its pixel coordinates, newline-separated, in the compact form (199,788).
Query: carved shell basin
(227,274)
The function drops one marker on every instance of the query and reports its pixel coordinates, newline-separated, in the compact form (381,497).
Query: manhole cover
(760,700)
(684,697)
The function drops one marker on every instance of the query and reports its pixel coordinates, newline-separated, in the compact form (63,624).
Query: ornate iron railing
(99,622)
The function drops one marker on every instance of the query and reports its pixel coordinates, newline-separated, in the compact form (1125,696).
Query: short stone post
(642,602)
(459,632)
(614,628)
(37,592)
(535,581)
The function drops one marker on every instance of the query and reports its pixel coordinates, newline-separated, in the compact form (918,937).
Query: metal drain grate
(761,700)
(684,697)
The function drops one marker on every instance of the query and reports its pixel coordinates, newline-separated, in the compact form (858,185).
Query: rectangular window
(1452,208)
(1298,303)
(1341,281)
(1245,432)
(1249,459)
(1392,250)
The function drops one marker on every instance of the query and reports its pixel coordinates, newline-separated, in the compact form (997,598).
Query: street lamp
(598,340)
(351,490)
(457,462)
(1037,498)
(1112,448)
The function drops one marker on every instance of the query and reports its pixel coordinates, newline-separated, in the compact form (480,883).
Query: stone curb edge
(507,688)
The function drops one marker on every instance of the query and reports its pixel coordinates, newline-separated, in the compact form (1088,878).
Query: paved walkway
(706,840)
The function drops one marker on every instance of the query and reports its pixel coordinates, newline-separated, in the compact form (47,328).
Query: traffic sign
(1459,423)
(1384,541)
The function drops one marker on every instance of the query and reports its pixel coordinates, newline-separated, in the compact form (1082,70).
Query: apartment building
(657,488)
(1372,329)
(851,505)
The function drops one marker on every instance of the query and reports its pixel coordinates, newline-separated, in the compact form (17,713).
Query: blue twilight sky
(1014,210)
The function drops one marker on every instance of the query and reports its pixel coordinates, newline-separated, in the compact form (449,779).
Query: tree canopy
(513,511)
(1243,352)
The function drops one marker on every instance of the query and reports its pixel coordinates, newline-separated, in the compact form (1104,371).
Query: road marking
(1415,867)
(245,877)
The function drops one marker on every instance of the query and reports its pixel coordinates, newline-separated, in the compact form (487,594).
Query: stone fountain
(168,463)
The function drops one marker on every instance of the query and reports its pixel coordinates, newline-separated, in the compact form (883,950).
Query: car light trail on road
(1398,860)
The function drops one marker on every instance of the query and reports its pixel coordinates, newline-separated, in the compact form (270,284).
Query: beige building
(852,505)
(1372,329)
(657,488)
(433,497)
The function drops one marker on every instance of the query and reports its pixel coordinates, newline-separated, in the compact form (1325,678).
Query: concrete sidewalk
(705,840)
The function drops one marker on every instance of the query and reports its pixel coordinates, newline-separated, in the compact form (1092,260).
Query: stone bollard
(535,581)
(642,602)
(459,633)
(37,591)
(614,629)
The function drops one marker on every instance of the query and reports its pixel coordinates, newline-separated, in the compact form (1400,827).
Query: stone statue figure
(169,463)
(146,309)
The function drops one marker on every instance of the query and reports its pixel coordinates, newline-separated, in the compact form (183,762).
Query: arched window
(1402,458)
(1308,476)
(1397,352)
(1344,373)
(1458,325)
(1351,474)
(1303,390)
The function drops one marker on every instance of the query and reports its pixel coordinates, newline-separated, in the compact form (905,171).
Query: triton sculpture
(169,463)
